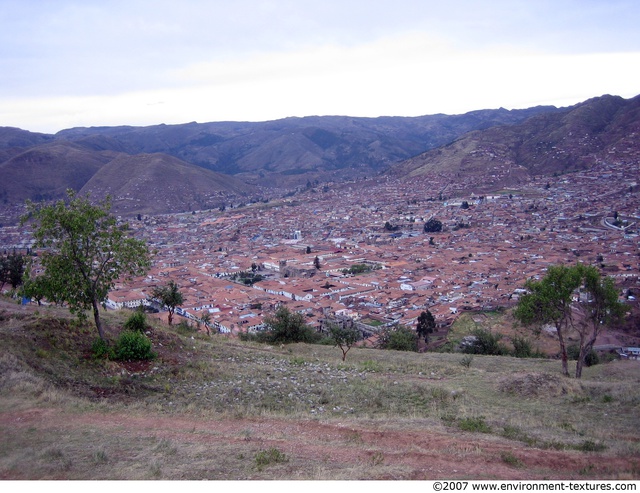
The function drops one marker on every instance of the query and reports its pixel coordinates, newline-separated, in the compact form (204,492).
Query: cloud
(85,64)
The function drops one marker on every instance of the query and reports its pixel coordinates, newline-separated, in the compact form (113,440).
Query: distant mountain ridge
(281,150)
(171,168)
(604,128)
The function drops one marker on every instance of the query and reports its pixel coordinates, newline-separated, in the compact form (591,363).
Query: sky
(70,63)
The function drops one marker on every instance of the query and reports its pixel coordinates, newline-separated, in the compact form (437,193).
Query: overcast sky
(66,63)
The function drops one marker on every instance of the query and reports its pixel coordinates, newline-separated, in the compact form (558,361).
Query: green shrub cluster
(270,456)
(133,346)
(399,338)
(484,342)
(137,322)
(286,327)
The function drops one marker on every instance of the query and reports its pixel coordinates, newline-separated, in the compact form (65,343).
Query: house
(629,352)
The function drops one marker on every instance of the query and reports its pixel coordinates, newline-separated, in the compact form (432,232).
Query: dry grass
(169,404)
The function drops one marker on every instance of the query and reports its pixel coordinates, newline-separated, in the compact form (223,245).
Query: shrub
(476,425)
(521,347)
(467,360)
(270,456)
(133,346)
(100,349)
(484,342)
(286,327)
(137,322)
(590,359)
(399,338)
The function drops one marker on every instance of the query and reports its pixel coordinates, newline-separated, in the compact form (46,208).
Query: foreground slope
(216,408)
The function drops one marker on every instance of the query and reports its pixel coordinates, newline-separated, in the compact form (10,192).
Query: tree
(433,226)
(169,297)
(399,338)
(316,263)
(85,252)
(548,301)
(426,325)
(285,327)
(344,336)
(206,321)
(599,308)
(551,300)
(11,270)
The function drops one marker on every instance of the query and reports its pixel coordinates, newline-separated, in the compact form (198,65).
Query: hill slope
(215,408)
(599,129)
(157,183)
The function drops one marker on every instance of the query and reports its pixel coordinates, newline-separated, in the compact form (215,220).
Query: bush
(400,338)
(475,425)
(484,342)
(521,347)
(137,322)
(590,359)
(286,327)
(133,346)
(268,457)
(100,349)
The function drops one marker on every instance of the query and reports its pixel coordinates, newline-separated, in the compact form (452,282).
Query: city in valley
(360,250)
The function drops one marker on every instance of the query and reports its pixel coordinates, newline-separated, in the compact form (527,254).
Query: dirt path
(320,450)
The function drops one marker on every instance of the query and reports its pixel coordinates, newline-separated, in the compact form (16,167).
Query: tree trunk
(96,317)
(580,363)
(170,317)
(563,352)
(585,349)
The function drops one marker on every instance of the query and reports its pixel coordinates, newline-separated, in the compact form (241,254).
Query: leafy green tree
(399,338)
(344,336)
(551,301)
(599,309)
(168,296)
(548,301)
(426,325)
(12,269)
(85,252)
(285,327)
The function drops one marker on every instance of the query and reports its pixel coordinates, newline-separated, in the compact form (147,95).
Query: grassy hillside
(209,407)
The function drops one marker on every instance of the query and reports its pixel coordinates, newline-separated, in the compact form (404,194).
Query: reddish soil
(414,455)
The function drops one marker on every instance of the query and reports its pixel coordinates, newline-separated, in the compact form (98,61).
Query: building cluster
(360,251)
(241,264)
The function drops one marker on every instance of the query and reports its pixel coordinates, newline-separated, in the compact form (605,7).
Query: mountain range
(173,168)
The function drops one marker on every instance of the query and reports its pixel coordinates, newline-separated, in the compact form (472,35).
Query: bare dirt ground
(315,450)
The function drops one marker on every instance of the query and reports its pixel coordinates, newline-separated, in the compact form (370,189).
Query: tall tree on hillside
(426,325)
(11,269)
(85,252)
(169,297)
(548,301)
(571,298)
(599,308)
